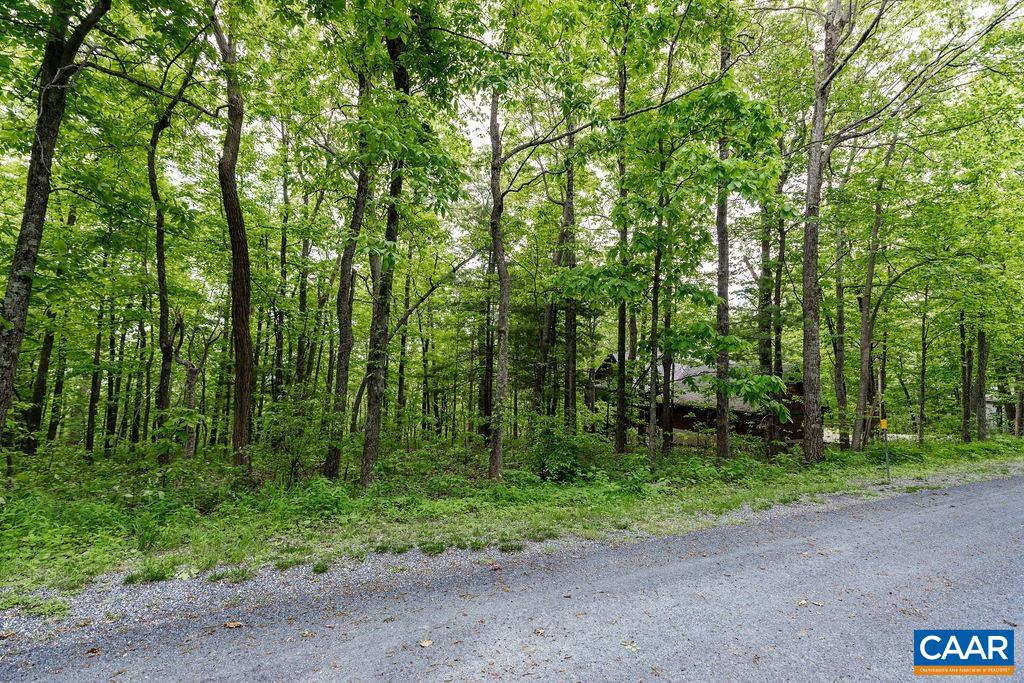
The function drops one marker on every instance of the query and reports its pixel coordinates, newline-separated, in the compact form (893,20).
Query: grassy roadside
(60,529)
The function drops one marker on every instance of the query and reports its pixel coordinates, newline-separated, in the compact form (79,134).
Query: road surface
(814,593)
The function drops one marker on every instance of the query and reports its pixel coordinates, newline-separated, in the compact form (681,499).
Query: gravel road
(806,592)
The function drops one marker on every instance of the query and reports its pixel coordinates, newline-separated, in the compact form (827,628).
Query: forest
(315,251)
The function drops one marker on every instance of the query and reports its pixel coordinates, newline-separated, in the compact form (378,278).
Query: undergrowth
(60,526)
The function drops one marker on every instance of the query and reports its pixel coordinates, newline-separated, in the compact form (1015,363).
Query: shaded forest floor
(61,526)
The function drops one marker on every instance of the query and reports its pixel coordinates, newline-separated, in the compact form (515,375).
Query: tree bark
(504,286)
(34,413)
(346,291)
(981,386)
(94,384)
(860,426)
(1018,418)
(569,229)
(966,369)
(621,407)
(240,271)
(57,402)
(764,296)
(923,371)
(378,351)
(163,386)
(277,378)
(814,444)
(722,310)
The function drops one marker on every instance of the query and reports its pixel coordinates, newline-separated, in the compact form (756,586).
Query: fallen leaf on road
(426,643)
(802,603)
(4,635)
(630,645)
(92,651)
(307,634)
(539,632)
(817,604)
(233,624)
(495,567)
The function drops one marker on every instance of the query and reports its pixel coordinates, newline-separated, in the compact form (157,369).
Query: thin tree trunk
(764,296)
(840,341)
(344,301)
(34,414)
(504,286)
(569,229)
(621,407)
(57,402)
(923,371)
(94,385)
(110,413)
(378,352)
(966,368)
(1018,421)
(866,317)
(240,284)
(277,378)
(981,386)
(722,311)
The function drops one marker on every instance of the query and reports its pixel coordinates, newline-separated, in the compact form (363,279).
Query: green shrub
(556,454)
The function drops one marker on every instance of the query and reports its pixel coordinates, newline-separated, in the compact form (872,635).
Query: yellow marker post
(883,424)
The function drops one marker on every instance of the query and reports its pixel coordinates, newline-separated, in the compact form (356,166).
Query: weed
(153,569)
(432,547)
(35,606)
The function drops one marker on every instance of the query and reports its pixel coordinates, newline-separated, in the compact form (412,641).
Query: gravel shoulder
(829,590)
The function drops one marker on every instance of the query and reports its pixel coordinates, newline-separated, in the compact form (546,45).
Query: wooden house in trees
(693,404)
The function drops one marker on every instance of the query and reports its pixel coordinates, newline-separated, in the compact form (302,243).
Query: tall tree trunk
(621,407)
(1018,417)
(110,414)
(163,385)
(57,402)
(981,386)
(486,402)
(54,76)
(780,266)
(840,341)
(923,371)
(277,378)
(402,351)
(814,444)
(966,369)
(654,388)
(764,296)
(378,351)
(34,413)
(94,384)
(722,311)
(867,320)
(191,375)
(667,369)
(346,292)
(240,273)
(569,229)
(504,286)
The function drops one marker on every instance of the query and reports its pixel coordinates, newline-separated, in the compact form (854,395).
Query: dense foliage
(260,241)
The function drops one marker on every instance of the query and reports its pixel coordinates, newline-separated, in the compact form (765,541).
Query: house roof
(693,385)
